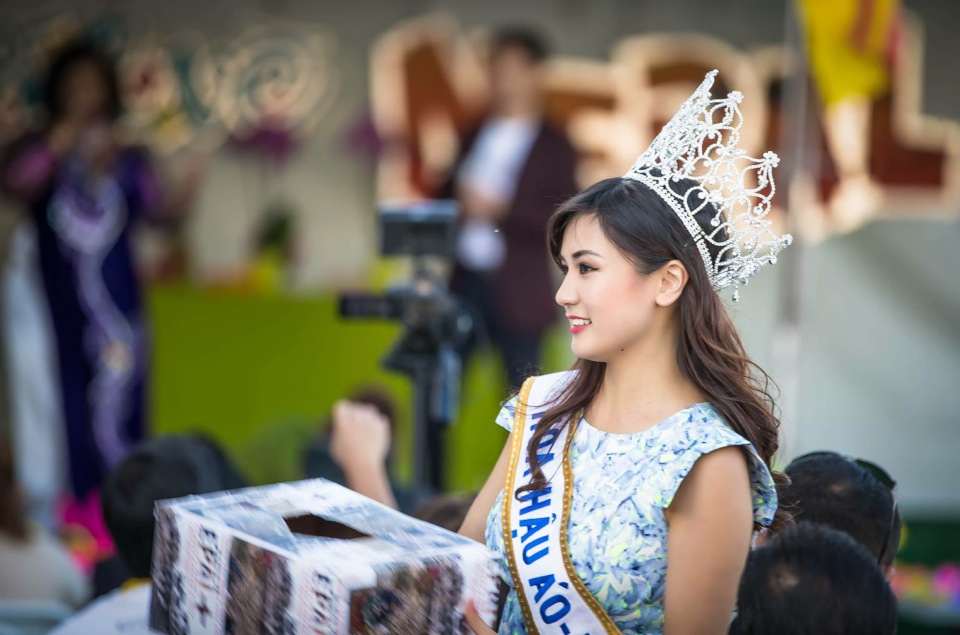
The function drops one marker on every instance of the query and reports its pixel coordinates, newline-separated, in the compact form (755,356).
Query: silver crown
(700,143)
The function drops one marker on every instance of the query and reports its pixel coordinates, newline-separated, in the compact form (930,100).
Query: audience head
(516,55)
(221,463)
(446,510)
(158,469)
(81,85)
(13,521)
(813,579)
(853,496)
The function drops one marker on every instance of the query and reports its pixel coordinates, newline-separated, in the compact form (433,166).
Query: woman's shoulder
(692,433)
(704,431)
(706,425)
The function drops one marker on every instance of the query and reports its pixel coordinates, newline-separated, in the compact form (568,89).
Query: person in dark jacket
(513,170)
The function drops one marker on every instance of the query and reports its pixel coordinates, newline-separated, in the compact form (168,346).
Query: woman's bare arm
(475,522)
(711,521)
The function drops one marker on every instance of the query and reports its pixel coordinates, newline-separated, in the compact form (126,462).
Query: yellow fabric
(267,274)
(133,583)
(839,68)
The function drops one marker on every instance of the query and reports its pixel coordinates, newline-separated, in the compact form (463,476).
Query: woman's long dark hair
(709,352)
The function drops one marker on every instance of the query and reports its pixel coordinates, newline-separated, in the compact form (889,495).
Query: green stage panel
(258,373)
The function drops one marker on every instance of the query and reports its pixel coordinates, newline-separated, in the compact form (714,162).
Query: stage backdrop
(880,356)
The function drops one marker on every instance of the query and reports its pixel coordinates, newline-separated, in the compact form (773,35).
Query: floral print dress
(617,531)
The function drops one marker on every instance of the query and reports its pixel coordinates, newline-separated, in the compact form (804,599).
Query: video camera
(435,324)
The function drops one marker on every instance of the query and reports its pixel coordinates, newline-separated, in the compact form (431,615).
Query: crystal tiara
(700,144)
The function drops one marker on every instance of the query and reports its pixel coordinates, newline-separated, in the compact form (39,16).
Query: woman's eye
(564,269)
(585,268)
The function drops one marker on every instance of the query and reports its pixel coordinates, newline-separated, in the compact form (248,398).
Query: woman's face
(609,304)
(514,77)
(84,92)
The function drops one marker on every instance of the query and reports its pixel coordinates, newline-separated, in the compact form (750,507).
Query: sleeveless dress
(617,531)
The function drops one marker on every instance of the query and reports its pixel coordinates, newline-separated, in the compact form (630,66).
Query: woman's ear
(673,278)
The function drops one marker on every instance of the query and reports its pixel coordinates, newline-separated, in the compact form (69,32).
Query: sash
(552,597)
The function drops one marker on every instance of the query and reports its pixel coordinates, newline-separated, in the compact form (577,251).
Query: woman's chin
(586,353)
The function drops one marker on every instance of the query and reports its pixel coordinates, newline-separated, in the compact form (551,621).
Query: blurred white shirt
(125,611)
(492,170)
(37,429)
(40,568)
(498,155)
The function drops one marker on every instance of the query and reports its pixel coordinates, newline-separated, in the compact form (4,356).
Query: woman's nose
(565,294)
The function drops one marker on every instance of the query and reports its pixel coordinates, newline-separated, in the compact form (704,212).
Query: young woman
(626,498)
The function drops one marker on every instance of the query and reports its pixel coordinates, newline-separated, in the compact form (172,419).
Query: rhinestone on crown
(700,144)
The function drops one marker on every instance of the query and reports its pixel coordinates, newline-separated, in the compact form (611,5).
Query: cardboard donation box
(311,558)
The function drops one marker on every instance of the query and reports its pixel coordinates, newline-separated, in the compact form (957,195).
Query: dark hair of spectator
(64,62)
(813,579)
(229,475)
(832,490)
(13,522)
(158,469)
(520,38)
(446,510)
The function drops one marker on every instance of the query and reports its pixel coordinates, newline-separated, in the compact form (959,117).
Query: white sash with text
(552,597)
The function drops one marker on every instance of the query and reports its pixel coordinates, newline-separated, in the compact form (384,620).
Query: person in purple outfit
(85,190)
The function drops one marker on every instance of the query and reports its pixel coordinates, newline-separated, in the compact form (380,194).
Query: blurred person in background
(360,443)
(30,378)
(158,469)
(112,573)
(852,46)
(446,510)
(813,579)
(86,189)
(854,496)
(353,446)
(511,174)
(33,563)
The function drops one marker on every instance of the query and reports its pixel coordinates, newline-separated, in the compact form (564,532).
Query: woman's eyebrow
(585,252)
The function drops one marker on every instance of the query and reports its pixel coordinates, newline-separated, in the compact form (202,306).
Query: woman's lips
(577,323)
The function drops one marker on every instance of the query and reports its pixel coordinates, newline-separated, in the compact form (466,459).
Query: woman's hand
(476,624)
